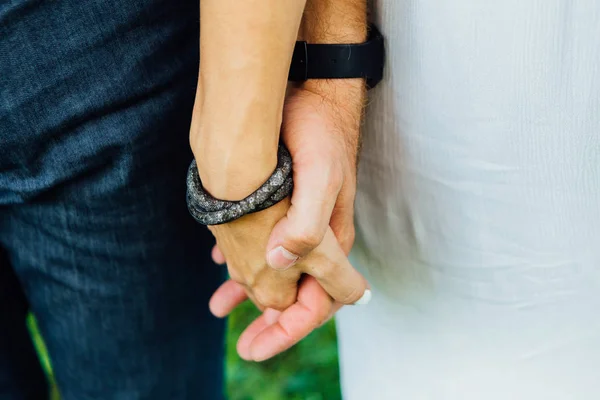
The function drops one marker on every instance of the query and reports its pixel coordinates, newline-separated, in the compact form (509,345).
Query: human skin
(241,107)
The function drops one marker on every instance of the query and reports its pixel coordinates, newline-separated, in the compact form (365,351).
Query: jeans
(96,98)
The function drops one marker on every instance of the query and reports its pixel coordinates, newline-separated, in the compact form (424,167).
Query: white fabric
(478,211)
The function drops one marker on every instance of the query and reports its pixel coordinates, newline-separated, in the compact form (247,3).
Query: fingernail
(365,299)
(280,258)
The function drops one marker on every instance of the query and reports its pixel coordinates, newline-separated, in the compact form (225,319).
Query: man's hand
(275,331)
(322,136)
(321,126)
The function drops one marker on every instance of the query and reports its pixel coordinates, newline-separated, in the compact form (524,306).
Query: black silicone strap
(340,61)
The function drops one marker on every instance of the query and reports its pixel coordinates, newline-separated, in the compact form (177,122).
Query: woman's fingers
(227,297)
(330,265)
(276,289)
(230,295)
(274,332)
(217,255)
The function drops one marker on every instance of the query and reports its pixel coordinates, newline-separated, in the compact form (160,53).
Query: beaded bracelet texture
(208,210)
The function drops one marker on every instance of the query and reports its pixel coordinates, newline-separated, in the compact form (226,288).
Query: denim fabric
(95,238)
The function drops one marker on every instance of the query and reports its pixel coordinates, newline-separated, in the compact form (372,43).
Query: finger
(335,273)
(342,225)
(268,318)
(342,218)
(277,289)
(217,255)
(237,278)
(336,307)
(271,316)
(228,296)
(244,342)
(316,187)
(262,340)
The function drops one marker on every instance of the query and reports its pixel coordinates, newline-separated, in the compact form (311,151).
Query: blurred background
(308,371)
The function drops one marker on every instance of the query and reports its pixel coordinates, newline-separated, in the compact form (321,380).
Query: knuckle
(275,301)
(320,268)
(308,238)
(279,305)
(352,296)
(244,279)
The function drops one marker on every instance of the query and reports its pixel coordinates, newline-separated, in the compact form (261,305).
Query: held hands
(268,252)
(243,242)
(289,312)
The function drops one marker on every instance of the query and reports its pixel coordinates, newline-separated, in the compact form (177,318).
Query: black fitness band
(340,61)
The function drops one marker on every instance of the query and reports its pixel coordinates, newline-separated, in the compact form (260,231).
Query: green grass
(309,371)
(41,348)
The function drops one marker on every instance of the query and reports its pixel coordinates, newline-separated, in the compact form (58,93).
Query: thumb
(316,189)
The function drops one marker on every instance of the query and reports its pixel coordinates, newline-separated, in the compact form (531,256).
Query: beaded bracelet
(210,211)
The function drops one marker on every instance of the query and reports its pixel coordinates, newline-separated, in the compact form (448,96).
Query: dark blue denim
(95,104)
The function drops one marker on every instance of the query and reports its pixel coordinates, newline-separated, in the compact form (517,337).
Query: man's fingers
(217,255)
(244,343)
(342,225)
(228,296)
(271,334)
(316,187)
(336,275)
(336,307)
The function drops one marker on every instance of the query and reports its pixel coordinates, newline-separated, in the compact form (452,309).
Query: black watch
(340,61)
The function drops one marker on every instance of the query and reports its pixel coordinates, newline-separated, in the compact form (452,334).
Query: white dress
(478,211)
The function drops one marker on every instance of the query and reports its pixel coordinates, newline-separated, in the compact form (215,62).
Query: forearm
(245,48)
(334,21)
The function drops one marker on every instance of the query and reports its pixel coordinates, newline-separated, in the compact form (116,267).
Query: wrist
(234,141)
(327,22)
(346,94)
(340,119)
(342,100)
(232,161)
(210,211)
